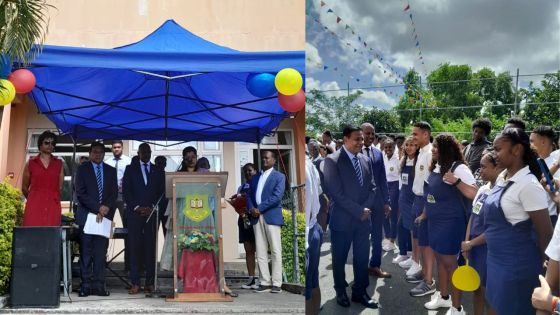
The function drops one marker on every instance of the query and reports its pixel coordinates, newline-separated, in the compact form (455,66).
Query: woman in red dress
(42,182)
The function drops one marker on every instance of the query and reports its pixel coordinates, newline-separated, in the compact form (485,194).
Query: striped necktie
(358,170)
(99,182)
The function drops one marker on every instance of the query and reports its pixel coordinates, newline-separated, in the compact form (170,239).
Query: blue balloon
(261,84)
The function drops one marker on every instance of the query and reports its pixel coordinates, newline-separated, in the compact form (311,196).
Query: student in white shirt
(421,274)
(518,227)
(448,192)
(542,141)
(474,247)
(392,171)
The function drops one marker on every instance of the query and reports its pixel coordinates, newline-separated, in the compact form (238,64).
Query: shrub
(288,248)
(11,215)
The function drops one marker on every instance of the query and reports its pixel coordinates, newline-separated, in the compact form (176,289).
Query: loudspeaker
(36,266)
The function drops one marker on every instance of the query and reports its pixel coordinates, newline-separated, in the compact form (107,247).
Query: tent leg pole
(72,174)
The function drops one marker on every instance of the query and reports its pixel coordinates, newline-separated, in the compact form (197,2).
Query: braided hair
(519,136)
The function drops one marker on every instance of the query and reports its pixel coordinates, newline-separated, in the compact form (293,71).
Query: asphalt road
(391,293)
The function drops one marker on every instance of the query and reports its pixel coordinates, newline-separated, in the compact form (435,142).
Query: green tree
(23,23)
(452,86)
(416,102)
(324,112)
(543,106)
(385,121)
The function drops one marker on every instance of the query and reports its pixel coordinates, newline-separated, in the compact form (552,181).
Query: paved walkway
(392,293)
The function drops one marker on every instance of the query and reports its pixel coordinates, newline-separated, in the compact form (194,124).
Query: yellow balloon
(288,81)
(465,278)
(7,92)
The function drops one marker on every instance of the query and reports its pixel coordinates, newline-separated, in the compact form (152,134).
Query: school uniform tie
(99,182)
(367,152)
(358,170)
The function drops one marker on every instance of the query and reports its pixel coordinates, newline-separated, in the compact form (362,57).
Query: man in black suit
(96,190)
(350,184)
(143,186)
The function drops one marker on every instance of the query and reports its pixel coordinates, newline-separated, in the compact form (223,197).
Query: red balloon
(292,103)
(23,80)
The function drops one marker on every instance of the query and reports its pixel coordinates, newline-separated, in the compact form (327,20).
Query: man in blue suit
(265,209)
(96,191)
(381,208)
(143,187)
(350,184)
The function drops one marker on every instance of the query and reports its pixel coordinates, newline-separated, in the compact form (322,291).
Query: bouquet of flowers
(197,241)
(239,203)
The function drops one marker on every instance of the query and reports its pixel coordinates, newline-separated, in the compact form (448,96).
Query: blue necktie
(358,170)
(99,183)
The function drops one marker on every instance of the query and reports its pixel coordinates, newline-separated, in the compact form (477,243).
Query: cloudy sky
(501,34)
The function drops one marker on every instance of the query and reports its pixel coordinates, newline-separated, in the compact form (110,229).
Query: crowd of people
(438,203)
(136,186)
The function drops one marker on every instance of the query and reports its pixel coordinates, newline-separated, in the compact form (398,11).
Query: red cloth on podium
(198,271)
(43,201)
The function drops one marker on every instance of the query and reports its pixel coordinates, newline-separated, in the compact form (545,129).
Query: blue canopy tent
(172,85)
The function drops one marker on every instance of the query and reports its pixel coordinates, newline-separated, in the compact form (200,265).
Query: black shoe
(365,300)
(342,300)
(84,293)
(99,292)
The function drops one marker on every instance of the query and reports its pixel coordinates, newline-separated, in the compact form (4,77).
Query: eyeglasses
(49,143)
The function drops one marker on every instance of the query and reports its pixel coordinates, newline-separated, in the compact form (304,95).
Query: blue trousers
(390,223)
(93,249)
(405,239)
(377,217)
(341,241)
(312,255)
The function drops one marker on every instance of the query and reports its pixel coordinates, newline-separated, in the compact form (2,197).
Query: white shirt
(365,152)
(392,168)
(553,249)
(312,192)
(462,171)
(525,195)
(123,161)
(555,154)
(422,169)
(332,144)
(260,185)
(551,204)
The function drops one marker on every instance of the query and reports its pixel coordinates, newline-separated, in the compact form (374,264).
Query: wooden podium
(198,275)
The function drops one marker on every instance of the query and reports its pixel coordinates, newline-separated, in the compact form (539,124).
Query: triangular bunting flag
(358,80)
(338,19)
(410,16)
(370,61)
(322,3)
(365,45)
(331,11)
(417,43)
(325,67)
(335,68)
(355,50)
(346,27)
(407,7)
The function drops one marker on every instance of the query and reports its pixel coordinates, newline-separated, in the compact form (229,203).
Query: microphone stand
(155,209)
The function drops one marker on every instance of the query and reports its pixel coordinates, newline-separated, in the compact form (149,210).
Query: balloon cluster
(287,83)
(20,81)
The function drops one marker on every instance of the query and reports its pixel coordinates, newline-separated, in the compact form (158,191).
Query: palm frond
(23,28)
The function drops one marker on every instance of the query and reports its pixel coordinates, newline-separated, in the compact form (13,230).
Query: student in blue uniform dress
(448,184)
(406,198)
(518,226)
(474,247)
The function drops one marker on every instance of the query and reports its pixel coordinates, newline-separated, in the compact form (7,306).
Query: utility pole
(516,109)
(422,102)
